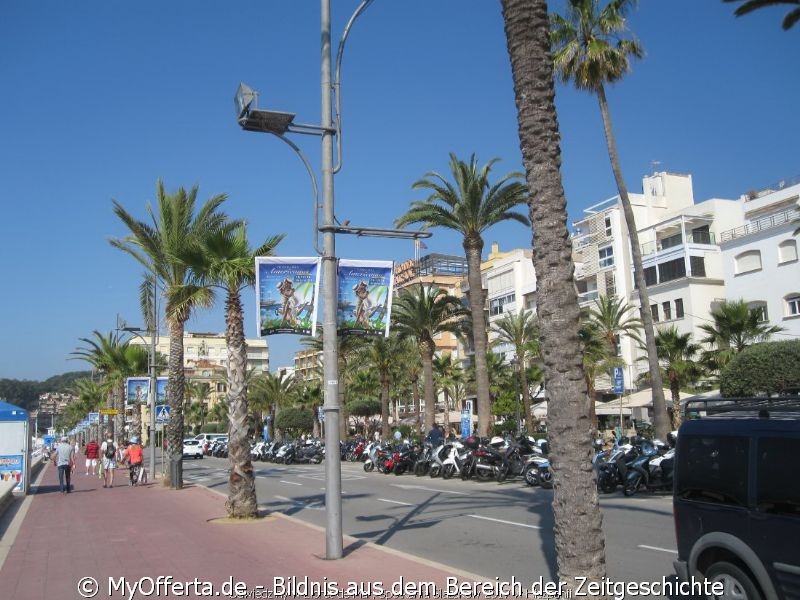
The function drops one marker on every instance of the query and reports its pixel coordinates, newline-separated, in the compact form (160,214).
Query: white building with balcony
(760,256)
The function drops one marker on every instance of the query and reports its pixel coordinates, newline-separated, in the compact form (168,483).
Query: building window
(760,310)
(606,256)
(608,226)
(654,311)
(670,270)
(496,306)
(679,308)
(650,276)
(748,261)
(793,306)
(667,310)
(697,264)
(787,251)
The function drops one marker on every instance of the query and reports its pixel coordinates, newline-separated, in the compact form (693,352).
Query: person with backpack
(108,452)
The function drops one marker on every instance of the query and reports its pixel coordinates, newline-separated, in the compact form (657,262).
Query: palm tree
(470,206)
(678,355)
(196,413)
(521,332)
(447,374)
(736,326)
(421,313)
(579,541)
(749,6)
(117,359)
(379,354)
(225,260)
(590,50)
(598,357)
(274,392)
(159,246)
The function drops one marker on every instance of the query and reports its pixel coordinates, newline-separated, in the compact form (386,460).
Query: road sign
(466,424)
(162,413)
(94,418)
(619,380)
(109,411)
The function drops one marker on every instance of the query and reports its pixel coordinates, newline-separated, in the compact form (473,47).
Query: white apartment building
(509,282)
(205,358)
(760,256)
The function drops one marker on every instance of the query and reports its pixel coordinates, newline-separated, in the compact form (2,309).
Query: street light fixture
(250,118)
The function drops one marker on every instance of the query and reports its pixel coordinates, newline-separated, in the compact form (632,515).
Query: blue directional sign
(619,380)
(162,413)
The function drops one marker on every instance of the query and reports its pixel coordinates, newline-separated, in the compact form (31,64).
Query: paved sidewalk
(138,533)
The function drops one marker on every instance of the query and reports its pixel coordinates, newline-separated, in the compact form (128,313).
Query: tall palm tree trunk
(579,541)
(660,420)
(241,501)
(526,399)
(385,405)
(480,342)
(175,392)
(427,382)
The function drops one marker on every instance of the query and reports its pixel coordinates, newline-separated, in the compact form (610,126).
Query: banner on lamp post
(364,297)
(287,291)
(137,390)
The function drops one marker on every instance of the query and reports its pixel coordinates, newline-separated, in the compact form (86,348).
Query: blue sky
(102,99)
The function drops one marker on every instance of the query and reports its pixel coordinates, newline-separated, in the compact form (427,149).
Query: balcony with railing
(701,237)
(763,224)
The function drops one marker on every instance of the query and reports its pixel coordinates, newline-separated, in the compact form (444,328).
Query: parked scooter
(651,471)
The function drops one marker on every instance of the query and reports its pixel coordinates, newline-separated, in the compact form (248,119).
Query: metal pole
(153,380)
(333,473)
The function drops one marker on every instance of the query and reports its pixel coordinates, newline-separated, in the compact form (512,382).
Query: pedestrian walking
(108,452)
(64,460)
(92,452)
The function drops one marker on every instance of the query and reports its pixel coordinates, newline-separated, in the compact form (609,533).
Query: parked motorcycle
(651,471)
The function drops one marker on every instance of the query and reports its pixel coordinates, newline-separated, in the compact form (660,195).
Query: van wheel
(736,583)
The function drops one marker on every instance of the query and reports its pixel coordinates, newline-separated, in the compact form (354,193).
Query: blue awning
(10,412)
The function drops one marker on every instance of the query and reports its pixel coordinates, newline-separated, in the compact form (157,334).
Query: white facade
(510,282)
(760,256)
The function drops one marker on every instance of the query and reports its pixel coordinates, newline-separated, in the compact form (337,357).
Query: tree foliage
(295,420)
(766,368)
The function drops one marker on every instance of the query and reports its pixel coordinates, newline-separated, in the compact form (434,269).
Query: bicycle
(138,474)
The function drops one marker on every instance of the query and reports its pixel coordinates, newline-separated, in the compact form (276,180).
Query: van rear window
(712,468)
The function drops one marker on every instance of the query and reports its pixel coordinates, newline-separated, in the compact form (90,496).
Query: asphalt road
(490,529)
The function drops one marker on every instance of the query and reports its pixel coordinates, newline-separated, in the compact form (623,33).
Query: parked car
(192,449)
(737,497)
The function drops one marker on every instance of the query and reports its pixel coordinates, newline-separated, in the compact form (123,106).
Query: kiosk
(15,459)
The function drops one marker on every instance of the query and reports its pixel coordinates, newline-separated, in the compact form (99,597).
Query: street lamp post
(151,394)
(251,118)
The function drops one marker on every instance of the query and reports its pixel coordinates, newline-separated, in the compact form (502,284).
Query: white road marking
(396,502)
(289,482)
(429,489)
(504,521)
(309,505)
(657,549)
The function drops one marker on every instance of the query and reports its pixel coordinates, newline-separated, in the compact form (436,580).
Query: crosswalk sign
(162,413)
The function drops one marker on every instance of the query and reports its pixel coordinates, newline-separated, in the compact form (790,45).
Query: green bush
(364,407)
(762,369)
(295,421)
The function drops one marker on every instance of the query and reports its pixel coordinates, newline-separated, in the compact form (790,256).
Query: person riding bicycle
(135,457)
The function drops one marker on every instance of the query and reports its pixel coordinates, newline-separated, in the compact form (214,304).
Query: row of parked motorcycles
(286,452)
(634,465)
(484,459)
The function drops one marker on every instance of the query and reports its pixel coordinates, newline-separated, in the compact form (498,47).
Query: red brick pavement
(150,531)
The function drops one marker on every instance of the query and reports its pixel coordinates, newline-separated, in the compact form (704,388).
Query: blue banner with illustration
(137,390)
(11,470)
(287,294)
(365,297)
(161,389)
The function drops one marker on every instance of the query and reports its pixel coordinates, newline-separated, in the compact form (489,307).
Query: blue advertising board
(11,469)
